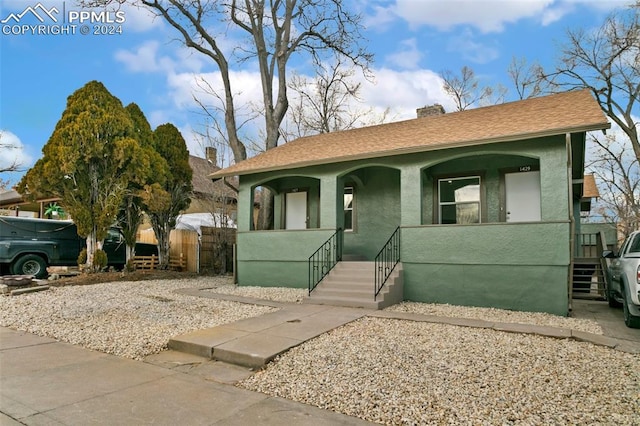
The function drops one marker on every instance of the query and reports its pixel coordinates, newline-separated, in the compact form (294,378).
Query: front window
(459,200)
(348,208)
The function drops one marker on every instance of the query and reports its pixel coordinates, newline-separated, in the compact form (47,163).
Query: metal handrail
(325,258)
(386,261)
(604,263)
(591,246)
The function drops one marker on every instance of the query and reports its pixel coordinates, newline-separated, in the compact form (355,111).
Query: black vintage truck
(28,246)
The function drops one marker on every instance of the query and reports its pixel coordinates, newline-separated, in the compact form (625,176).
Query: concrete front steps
(351,284)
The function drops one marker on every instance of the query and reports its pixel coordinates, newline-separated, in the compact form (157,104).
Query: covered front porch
(486,228)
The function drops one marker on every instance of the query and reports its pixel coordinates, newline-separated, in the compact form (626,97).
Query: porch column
(245,207)
(410,196)
(329,202)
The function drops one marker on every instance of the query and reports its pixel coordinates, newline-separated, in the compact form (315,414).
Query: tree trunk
(92,246)
(265,214)
(130,253)
(163,246)
(91,249)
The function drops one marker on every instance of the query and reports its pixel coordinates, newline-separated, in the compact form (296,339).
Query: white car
(624,282)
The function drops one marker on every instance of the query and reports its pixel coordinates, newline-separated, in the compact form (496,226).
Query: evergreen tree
(88,162)
(163,203)
(151,168)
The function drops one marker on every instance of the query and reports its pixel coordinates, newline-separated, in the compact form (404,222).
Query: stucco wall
(277,258)
(522,266)
(377,211)
(513,266)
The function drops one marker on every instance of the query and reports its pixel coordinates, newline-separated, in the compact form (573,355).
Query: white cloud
(380,19)
(142,59)
(555,13)
(404,91)
(400,91)
(12,151)
(147,57)
(487,16)
(184,86)
(408,56)
(467,45)
(158,117)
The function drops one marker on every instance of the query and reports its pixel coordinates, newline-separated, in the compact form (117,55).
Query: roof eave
(413,150)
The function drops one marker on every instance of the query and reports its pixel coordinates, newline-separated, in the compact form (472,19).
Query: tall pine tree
(152,168)
(163,203)
(89,161)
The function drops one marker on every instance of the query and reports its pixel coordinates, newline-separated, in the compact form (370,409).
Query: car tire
(613,303)
(30,264)
(630,321)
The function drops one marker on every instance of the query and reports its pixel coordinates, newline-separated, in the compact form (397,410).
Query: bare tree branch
(466,92)
(607,62)
(617,172)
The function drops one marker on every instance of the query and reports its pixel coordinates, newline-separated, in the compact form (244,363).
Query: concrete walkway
(254,342)
(45,382)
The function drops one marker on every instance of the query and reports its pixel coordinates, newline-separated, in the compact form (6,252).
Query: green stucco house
(471,208)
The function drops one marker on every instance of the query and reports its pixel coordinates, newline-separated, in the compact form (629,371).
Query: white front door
(522,191)
(296,210)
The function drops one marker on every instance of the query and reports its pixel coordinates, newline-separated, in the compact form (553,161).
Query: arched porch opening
(296,203)
(368,209)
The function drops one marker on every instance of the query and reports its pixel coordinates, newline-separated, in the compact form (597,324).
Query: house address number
(525,168)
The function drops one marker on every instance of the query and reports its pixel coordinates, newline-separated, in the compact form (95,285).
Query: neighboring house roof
(10,197)
(568,112)
(203,186)
(590,189)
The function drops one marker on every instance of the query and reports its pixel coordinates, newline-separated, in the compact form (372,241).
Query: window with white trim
(459,200)
(349,211)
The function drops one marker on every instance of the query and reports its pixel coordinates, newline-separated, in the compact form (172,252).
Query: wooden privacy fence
(216,250)
(184,248)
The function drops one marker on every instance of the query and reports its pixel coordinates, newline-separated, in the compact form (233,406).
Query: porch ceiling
(562,113)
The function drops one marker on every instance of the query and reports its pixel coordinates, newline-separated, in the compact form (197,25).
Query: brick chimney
(211,154)
(427,111)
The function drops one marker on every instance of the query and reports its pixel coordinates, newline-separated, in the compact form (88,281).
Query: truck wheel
(30,264)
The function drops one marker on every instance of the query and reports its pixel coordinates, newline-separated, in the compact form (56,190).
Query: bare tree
(526,78)
(273,30)
(607,62)
(326,103)
(5,147)
(617,172)
(466,92)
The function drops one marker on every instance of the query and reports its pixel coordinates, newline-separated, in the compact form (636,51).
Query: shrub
(100,260)
(82,257)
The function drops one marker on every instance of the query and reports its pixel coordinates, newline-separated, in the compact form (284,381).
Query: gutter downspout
(572,224)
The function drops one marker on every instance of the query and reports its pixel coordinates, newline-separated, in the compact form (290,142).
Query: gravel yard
(382,370)
(499,315)
(403,372)
(278,294)
(130,319)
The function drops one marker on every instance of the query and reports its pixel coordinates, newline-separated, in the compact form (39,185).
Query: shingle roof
(568,112)
(202,184)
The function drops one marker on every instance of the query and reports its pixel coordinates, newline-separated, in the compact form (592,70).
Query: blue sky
(413,41)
